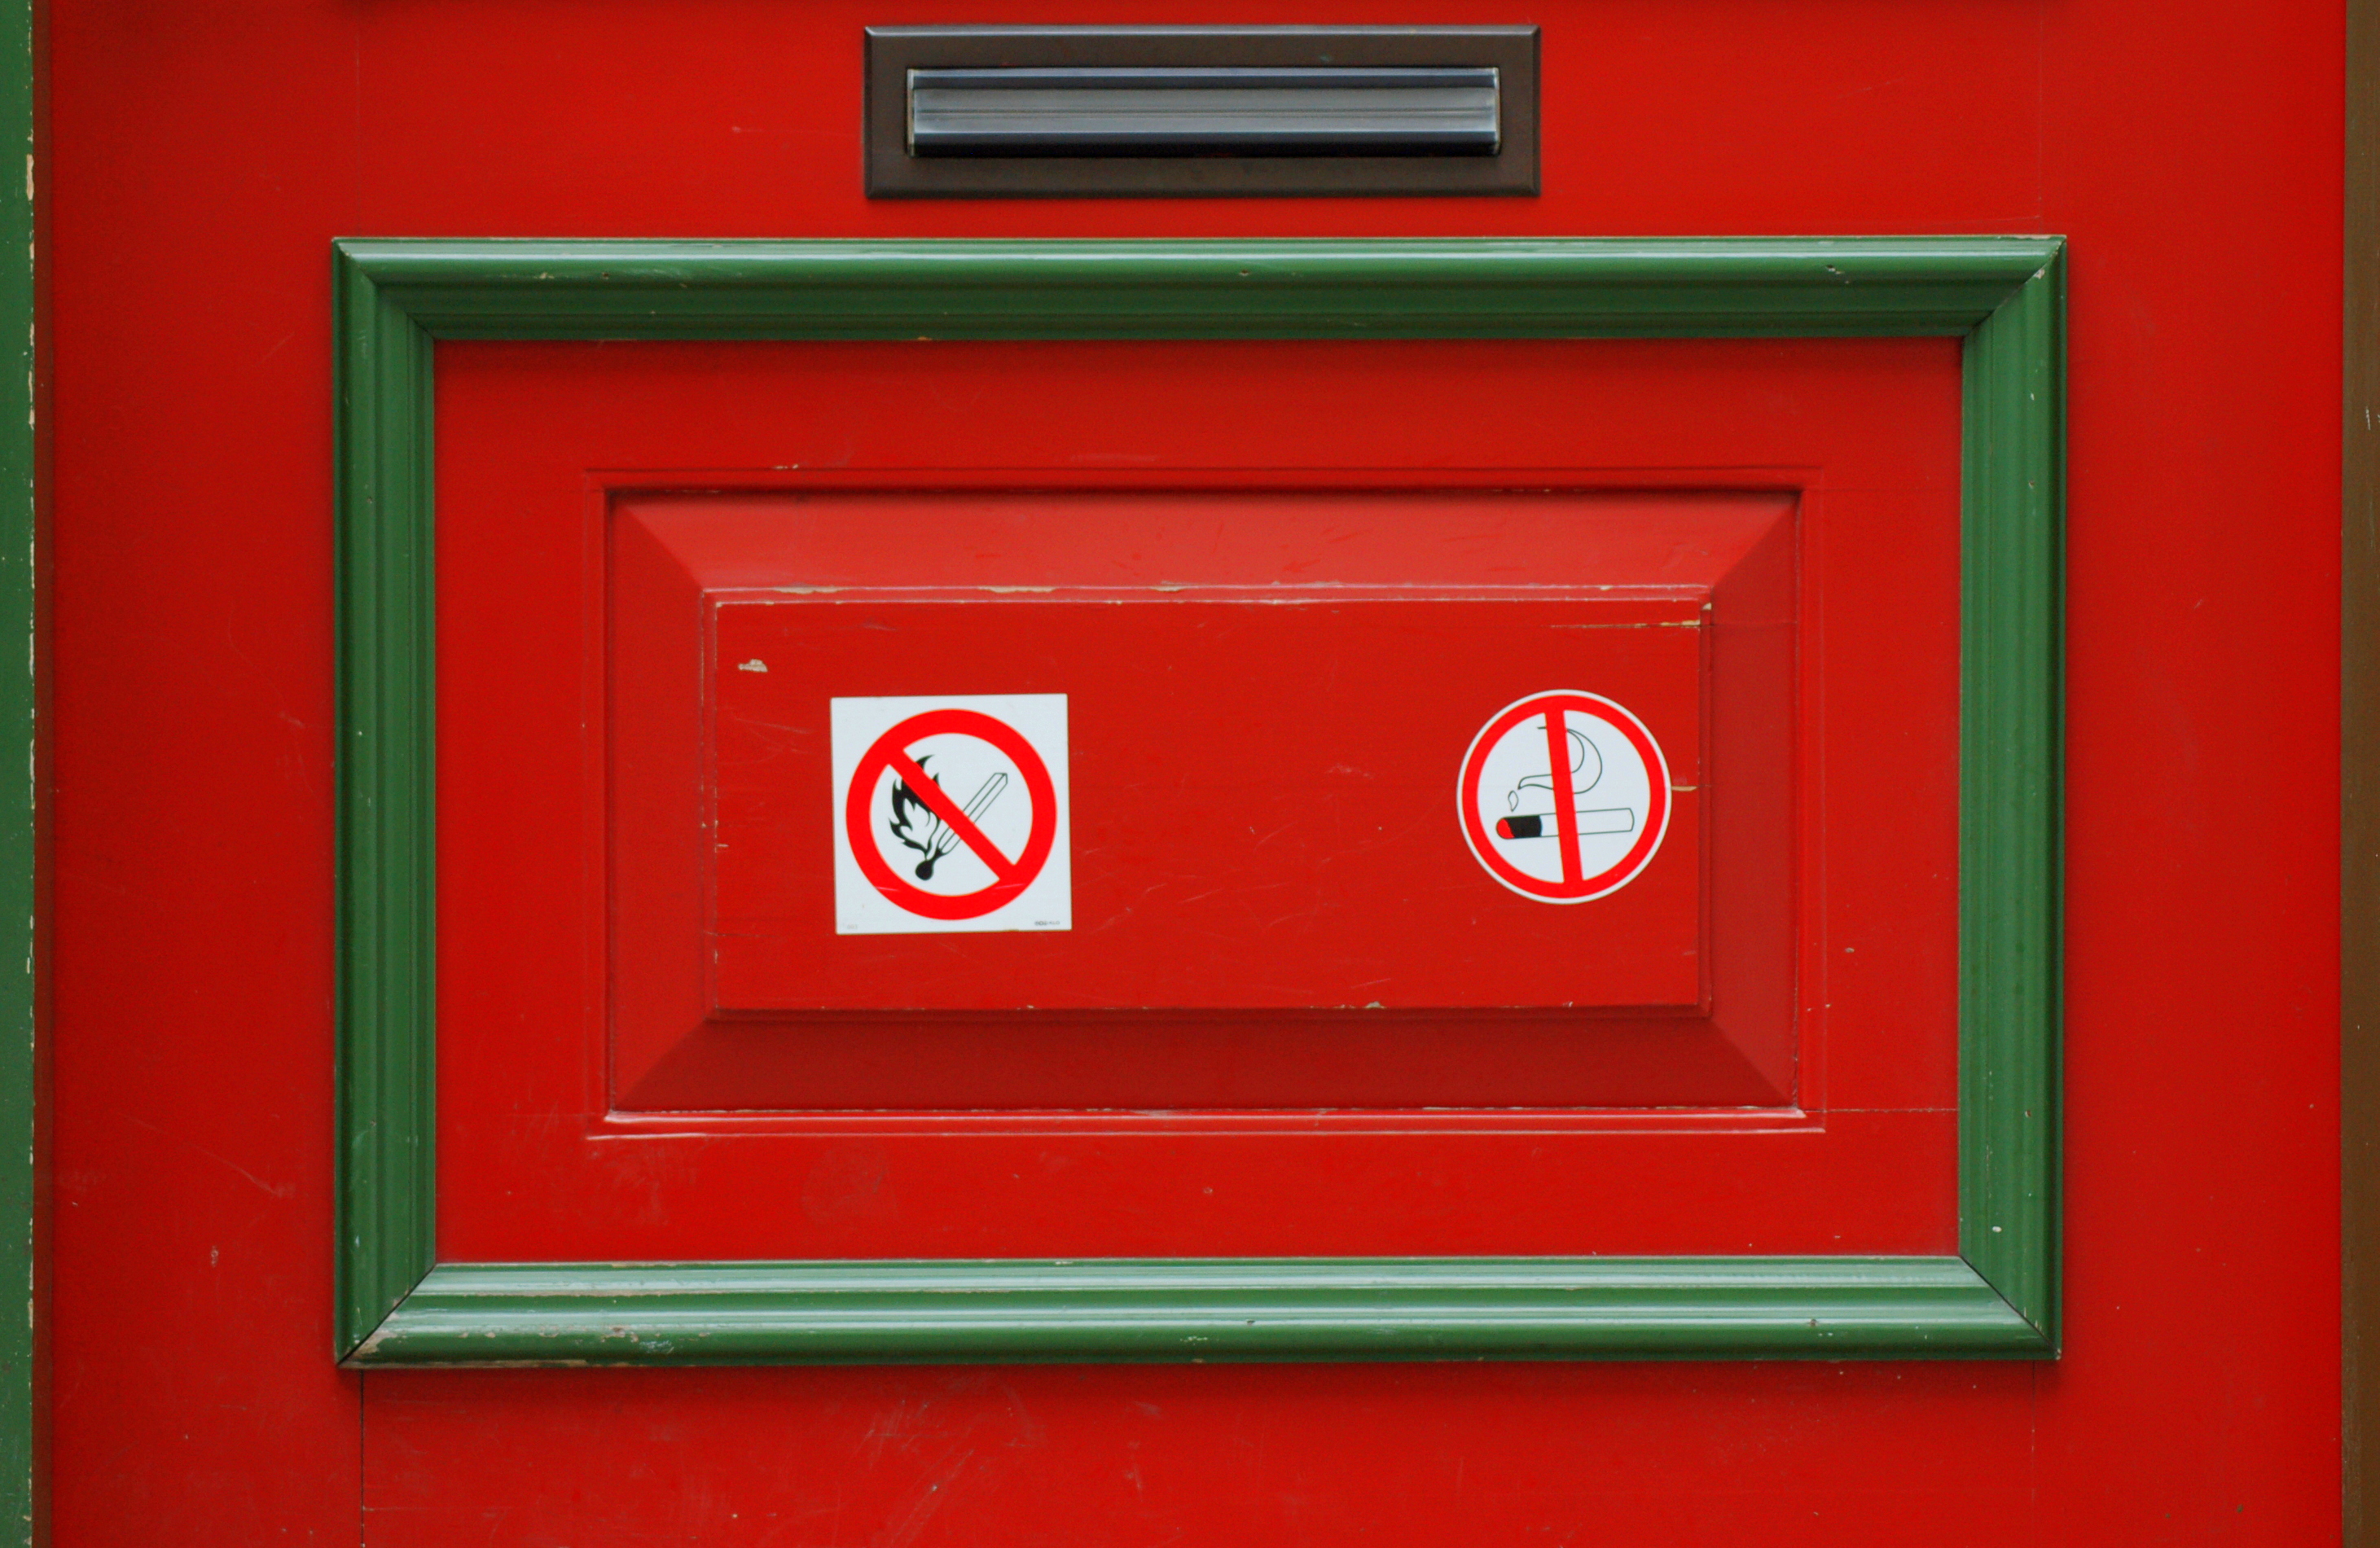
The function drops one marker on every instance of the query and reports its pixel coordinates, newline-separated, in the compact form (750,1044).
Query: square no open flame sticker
(951,814)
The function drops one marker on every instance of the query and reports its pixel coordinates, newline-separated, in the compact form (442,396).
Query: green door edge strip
(22,559)
(2004,296)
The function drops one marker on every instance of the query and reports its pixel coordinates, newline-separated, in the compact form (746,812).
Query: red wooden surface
(535,970)
(1339,880)
(205,155)
(671,1050)
(1328,724)
(1259,802)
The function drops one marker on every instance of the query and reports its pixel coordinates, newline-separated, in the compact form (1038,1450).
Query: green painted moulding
(1997,1297)
(23,543)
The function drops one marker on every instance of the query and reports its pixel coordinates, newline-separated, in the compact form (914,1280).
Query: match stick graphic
(1545,825)
(940,840)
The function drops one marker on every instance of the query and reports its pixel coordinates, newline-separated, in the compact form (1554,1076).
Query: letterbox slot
(1200,112)
(1029,112)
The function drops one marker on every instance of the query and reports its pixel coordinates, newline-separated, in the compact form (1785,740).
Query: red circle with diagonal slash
(1573,887)
(891,751)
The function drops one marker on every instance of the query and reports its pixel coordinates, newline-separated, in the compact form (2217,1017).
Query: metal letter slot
(1193,111)
(1063,111)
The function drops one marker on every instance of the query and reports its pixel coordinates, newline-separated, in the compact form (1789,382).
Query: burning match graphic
(928,835)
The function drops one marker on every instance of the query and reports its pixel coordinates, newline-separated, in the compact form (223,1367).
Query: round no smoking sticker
(951,814)
(1564,796)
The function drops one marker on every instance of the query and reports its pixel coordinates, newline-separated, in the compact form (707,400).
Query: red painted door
(1302,996)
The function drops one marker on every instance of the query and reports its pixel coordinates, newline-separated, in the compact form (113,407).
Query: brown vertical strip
(2360,793)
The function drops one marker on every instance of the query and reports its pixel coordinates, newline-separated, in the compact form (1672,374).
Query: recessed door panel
(1271,695)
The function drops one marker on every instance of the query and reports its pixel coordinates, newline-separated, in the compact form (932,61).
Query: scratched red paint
(203,158)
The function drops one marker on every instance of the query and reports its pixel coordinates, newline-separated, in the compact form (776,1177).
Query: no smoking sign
(1564,796)
(951,814)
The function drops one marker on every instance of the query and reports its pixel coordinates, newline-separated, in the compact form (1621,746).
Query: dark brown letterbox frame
(893,51)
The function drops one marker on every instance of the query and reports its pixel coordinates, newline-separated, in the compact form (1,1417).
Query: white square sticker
(951,814)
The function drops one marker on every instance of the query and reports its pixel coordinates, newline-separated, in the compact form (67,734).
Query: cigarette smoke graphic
(1585,772)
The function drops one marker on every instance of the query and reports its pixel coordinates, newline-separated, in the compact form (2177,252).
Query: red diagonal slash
(1565,798)
(938,801)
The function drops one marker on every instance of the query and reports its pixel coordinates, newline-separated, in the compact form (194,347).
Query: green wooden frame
(2004,296)
(23,771)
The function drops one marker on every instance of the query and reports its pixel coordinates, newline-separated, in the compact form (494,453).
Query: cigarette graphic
(1545,825)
